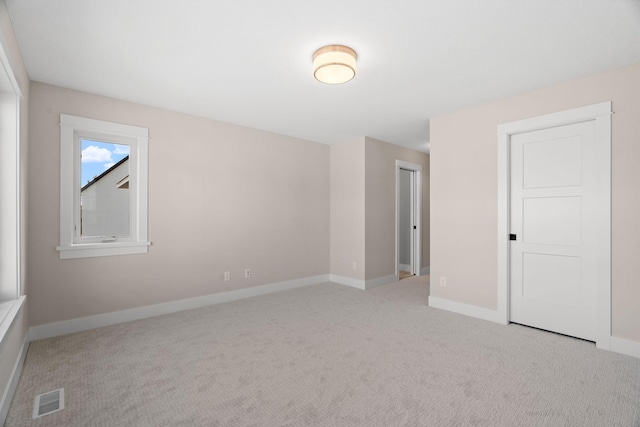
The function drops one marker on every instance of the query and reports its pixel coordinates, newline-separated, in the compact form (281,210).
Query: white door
(413,221)
(405,221)
(408,214)
(412,224)
(553,220)
(414,227)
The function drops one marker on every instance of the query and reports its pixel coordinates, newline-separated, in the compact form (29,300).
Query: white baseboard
(624,346)
(348,281)
(10,390)
(404,267)
(363,284)
(380,281)
(466,309)
(107,319)
(618,345)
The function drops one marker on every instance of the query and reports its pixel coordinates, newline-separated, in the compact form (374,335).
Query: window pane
(104,189)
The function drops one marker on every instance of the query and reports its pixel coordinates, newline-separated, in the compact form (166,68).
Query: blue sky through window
(97,157)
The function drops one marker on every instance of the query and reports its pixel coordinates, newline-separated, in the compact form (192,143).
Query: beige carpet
(328,355)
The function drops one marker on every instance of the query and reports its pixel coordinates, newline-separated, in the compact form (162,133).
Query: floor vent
(48,403)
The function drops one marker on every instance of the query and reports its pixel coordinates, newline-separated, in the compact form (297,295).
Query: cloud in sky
(108,165)
(121,149)
(96,154)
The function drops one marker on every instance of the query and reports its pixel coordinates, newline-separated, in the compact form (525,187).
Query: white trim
(603,238)
(72,128)
(10,315)
(425,271)
(8,69)
(363,284)
(87,250)
(412,222)
(11,220)
(575,115)
(624,346)
(601,113)
(465,309)
(618,345)
(417,194)
(10,389)
(408,165)
(11,224)
(107,319)
(347,281)
(93,125)
(380,281)
(504,225)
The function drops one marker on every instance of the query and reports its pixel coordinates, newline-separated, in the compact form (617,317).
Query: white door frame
(601,114)
(412,220)
(416,196)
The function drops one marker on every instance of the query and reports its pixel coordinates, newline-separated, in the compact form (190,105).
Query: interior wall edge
(12,384)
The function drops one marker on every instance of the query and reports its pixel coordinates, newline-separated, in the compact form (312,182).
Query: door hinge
(512,237)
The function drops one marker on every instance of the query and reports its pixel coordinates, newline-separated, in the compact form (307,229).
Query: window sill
(88,250)
(8,312)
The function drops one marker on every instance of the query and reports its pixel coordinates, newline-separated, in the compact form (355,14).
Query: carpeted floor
(328,355)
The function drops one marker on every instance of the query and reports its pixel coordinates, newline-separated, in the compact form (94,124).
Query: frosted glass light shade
(334,64)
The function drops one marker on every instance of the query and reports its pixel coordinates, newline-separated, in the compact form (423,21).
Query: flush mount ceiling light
(334,64)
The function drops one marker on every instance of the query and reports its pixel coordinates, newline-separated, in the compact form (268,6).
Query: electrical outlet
(247,273)
(443,281)
(354,265)
(227,276)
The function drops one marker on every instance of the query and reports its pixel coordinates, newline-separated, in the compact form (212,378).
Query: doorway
(408,219)
(554,239)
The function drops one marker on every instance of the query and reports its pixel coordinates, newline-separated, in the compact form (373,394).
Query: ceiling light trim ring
(340,57)
(335,63)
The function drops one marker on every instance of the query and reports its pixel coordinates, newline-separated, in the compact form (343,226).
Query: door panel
(553,259)
(551,279)
(552,220)
(552,163)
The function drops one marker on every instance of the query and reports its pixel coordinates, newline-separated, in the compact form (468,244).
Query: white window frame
(11,197)
(72,130)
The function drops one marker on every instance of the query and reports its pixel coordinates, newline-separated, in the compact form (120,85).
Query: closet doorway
(408,219)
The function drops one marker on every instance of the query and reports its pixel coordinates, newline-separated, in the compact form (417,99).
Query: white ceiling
(248,62)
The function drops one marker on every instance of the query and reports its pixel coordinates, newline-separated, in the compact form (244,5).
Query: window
(105,205)
(11,199)
(103,188)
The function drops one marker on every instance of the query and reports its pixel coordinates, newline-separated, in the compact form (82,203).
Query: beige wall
(347,209)
(221,198)
(363,207)
(11,344)
(464,190)
(380,205)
